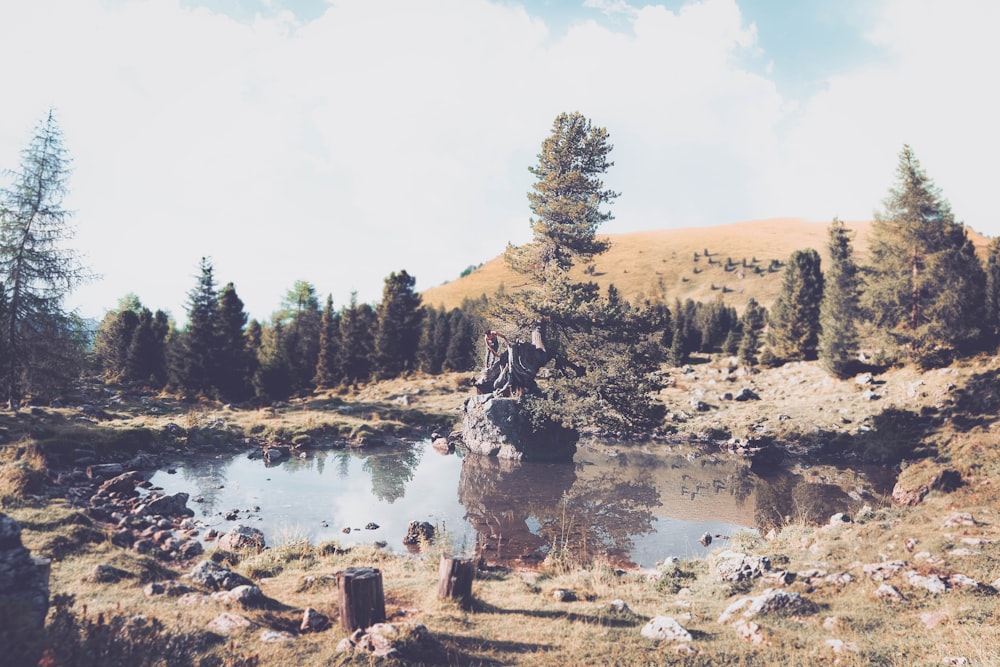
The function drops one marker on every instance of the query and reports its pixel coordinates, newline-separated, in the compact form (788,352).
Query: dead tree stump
(360,596)
(455,577)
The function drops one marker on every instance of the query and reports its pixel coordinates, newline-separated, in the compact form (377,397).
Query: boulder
(172,505)
(242,538)
(665,628)
(419,531)
(500,427)
(24,580)
(735,566)
(770,602)
(212,575)
(313,621)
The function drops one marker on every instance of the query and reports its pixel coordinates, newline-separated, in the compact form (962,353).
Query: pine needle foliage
(838,312)
(926,286)
(601,371)
(794,331)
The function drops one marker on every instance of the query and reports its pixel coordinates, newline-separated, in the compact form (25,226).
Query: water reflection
(638,504)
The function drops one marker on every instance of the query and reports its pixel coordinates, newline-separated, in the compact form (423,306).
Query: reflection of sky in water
(656,504)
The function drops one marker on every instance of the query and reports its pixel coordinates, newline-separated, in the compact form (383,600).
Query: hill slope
(661,264)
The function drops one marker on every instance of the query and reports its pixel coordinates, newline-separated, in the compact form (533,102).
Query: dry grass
(660,265)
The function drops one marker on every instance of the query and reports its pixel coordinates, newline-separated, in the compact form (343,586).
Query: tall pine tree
(838,312)
(399,317)
(992,306)
(926,286)
(794,320)
(328,373)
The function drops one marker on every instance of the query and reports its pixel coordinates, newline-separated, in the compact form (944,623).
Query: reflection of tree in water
(602,516)
(391,472)
(786,497)
(504,499)
(208,476)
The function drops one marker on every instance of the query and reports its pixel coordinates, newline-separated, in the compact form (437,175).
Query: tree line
(922,296)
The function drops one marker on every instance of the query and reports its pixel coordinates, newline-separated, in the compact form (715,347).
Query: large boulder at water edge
(500,427)
(24,580)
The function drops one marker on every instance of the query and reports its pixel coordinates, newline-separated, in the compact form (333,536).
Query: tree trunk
(455,577)
(361,600)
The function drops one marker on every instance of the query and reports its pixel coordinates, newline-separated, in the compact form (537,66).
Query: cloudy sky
(336,141)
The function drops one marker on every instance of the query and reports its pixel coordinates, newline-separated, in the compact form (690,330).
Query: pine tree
(992,305)
(838,313)
(112,342)
(794,319)
(460,350)
(145,358)
(430,352)
(196,360)
(399,317)
(598,376)
(327,363)
(37,337)
(234,368)
(752,323)
(357,330)
(273,379)
(926,286)
(300,318)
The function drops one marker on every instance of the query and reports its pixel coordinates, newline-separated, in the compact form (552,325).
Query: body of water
(636,505)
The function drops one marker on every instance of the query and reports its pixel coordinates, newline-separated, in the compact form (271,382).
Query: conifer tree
(794,319)
(273,379)
(926,287)
(42,344)
(433,340)
(992,306)
(752,324)
(300,317)
(460,350)
(197,357)
(145,358)
(234,374)
(838,313)
(598,376)
(399,317)
(112,341)
(327,364)
(357,330)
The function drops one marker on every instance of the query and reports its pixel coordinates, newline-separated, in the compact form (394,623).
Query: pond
(635,505)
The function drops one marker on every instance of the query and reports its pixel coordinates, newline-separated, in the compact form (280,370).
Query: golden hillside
(661,264)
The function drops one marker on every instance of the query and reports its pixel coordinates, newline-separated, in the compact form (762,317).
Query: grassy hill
(661,264)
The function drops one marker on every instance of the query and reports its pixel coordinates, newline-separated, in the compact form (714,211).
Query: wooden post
(455,577)
(361,600)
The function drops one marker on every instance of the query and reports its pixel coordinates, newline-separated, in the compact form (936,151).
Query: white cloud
(392,134)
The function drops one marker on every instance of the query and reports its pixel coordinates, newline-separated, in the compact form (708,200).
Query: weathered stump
(455,577)
(360,596)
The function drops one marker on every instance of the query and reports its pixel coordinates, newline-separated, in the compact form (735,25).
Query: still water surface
(637,505)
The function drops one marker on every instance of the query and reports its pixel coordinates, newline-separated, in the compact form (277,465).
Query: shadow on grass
(478,651)
(977,404)
(607,620)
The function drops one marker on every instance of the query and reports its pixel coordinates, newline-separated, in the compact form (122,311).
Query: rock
(275,636)
(228,624)
(247,596)
(212,575)
(276,454)
(746,394)
(931,583)
(563,595)
(124,483)
(839,519)
(619,606)
(24,580)
(371,525)
(665,628)
(884,570)
(171,589)
(499,427)
(243,538)
(839,646)
(172,505)
(395,640)
(749,631)
(418,531)
(735,566)
(770,602)
(959,519)
(105,470)
(190,549)
(706,539)
(313,621)
(107,574)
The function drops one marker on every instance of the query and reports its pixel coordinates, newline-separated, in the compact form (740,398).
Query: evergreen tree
(145,358)
(234,374)
(926,286)
(433,341)
(273,379)
(399,317)
(197,355)
(992,306)
(752,324)
(794,319)
(598,376)
(300,317)
(112,342)
(838,313)
(460,350)
(37,337)
(328,372)
(357,330)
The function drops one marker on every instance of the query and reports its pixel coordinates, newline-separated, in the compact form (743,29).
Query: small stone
(227,624)
(888,593)
(665,628)
(274,637)
(619,606)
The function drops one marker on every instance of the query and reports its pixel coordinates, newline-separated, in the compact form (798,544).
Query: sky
(337,141)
